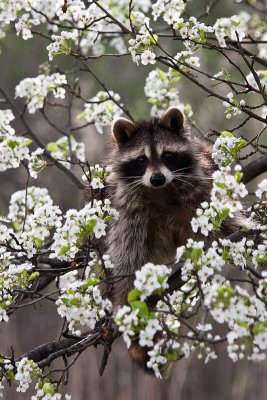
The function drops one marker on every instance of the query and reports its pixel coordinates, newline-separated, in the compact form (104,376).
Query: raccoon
(160,175)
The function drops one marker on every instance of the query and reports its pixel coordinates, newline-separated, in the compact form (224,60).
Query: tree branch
(254,169)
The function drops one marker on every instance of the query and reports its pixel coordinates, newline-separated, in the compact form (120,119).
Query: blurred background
(191,379)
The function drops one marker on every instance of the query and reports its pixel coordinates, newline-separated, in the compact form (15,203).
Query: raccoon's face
(153,154)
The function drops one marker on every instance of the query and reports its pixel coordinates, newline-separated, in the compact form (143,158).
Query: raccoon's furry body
(160,175)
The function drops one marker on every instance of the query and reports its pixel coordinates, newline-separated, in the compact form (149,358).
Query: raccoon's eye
(141,160)
(167,156)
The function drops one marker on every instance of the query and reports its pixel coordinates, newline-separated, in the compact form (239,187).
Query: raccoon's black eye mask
(136,167)
(177,161)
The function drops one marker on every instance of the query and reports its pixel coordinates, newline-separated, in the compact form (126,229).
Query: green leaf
(82,115)
(27,142)
(221,185)
(172,356)
(12,144)
(238,176)
(87,230)
(188,109)
(242,323)
(225,255)
(109,106)
(241,143)
(257,328)
(226,134)
(65,44)
(161,74)
(141,307)
(196,254)
(153,39)
(90,282)
(175,73)
(226,74)
(133,295)
(48,388)
(34,275)
(52,146)
(224,213)
(64,250)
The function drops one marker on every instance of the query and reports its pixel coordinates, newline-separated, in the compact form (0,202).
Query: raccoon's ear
(123,130)
(173,119)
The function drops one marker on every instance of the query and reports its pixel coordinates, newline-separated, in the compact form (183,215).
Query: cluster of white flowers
(77,17)
(48,391)
(192,29)
(225,194)
(141,48)
(146,335)
(128,323)
(171,10)
(102,110)
(13,149)
(97,176)
(233,106)
(161,94)
(98,264)
(35,198)
(156,358)
(231,27)
(26,371)
(151,279)
(238,252)
(245,314)
(6,116)
(226,148)
(24,24)
(92,40)
(67,148)
(9,13)
(196,260)
(12,276)
(79,226)
(36,163)
(81,303)
(62,43)
(36,89)
(34,217)
(227,189)
(44,220)
(259,255)
(77,13)
(204,218)
(49,8)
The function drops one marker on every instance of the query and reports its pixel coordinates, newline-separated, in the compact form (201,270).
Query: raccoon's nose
(157,179)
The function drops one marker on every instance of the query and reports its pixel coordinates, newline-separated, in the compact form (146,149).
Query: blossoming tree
(39,244)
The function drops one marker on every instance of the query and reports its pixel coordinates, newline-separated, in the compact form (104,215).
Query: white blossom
(102,110)
(171,10)
(78,227)
(36,89)
(230,27)
(161,93)
(151,278)
(25,370)
(147,57)
(67,148)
